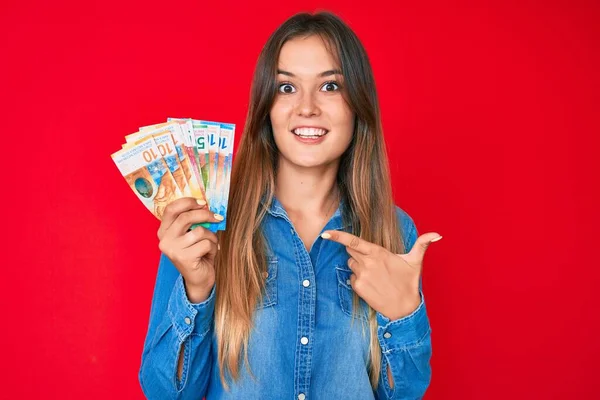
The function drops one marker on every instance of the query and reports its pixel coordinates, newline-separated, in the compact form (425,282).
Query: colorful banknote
(183,158)
(148,175)
(189,146)
(201,144)
(226,140)
(213,131)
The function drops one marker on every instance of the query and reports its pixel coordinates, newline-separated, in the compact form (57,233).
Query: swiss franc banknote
(148,175)
(224,161)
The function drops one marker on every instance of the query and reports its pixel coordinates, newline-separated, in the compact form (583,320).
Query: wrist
(197,293)
(407,307)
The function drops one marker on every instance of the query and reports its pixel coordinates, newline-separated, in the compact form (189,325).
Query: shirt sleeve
(173,322)
(405,345)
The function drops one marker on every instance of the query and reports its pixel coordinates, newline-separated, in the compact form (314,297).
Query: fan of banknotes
(182,157)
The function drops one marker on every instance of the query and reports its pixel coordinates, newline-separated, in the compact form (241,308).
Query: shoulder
(408,228)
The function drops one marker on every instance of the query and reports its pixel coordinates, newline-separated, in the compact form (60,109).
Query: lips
(310,132)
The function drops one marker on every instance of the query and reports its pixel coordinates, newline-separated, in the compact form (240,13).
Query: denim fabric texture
(303,344)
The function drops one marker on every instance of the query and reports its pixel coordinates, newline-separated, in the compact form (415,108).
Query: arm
(405,344)
(179,337)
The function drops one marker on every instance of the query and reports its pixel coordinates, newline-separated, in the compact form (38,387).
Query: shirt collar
(335,222)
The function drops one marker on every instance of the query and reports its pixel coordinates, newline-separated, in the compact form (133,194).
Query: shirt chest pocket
(270,296)
(345,294)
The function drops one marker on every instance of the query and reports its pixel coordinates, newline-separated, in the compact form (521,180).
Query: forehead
(306,56)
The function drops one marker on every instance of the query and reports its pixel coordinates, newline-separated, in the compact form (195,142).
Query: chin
(304,163)
(308,162)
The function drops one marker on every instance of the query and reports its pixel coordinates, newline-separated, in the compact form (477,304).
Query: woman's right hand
(192,252)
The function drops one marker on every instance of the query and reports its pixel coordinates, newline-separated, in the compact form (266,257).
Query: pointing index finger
(349,240)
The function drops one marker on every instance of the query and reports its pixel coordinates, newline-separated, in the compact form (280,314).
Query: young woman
(314,290)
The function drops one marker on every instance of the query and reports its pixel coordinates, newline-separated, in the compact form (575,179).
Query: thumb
(422,243)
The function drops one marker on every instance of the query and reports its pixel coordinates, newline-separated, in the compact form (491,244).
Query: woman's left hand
(388,282)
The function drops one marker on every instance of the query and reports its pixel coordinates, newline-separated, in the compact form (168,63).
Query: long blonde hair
(363,180)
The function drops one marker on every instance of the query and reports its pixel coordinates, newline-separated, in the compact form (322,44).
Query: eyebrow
(321,75)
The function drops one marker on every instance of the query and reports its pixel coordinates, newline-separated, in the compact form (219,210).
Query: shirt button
(187,320)
(304,340)
(266,274)
(348,282)
(301,396)
(306,283)
(387,335)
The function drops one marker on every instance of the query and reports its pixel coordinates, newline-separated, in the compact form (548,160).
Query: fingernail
(436,239)
(201,202)
(219,217)
(218,246)
(325,235)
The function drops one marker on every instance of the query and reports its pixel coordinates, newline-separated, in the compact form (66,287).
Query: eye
(330,86)
(286,88)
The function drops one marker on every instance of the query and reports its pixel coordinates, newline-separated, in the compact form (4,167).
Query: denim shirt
(303,344)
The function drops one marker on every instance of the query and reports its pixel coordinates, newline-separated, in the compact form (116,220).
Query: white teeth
(309,132)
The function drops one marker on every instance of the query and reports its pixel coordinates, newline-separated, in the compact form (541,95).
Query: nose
(307,105)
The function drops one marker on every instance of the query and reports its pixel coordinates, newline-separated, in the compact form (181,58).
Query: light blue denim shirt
(303,345)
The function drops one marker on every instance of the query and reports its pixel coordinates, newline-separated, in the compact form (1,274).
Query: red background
(490,112)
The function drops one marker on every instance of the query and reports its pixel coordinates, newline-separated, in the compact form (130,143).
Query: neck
(302,190)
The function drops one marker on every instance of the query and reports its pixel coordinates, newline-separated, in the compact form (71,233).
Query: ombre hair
(363,180)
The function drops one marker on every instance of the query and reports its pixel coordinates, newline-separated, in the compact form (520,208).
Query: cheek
(280,115)
(343,120)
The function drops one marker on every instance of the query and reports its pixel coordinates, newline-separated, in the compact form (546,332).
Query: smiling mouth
(310,133)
